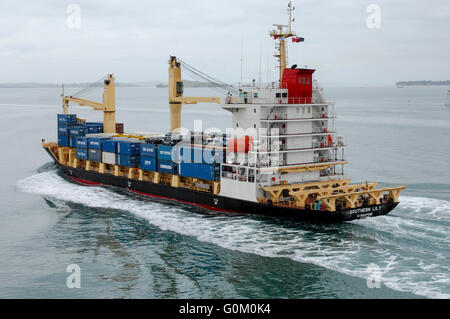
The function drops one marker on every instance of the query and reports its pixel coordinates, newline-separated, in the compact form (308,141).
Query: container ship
(281,156)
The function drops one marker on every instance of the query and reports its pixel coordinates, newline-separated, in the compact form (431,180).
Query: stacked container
(95,147)
(200,162)
(82,148)
(109,150)
(65,122)
(148,156)
(164,160)
(128,153)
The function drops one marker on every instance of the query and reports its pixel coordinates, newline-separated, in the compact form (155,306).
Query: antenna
(280,34)
(260,61)
(242,53)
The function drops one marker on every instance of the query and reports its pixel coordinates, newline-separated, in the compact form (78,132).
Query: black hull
(220,203)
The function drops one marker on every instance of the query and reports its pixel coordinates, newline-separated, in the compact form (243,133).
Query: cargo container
(119,128)
(207,155)
(166,167)
(201,171)
(148,163)
(79,130)
(93,129)
(63,129)
(72,141)
(82,153)
(128,148)
(95,142)
(148,149)
(67,119)
(94,155)
(81,142)
(109,146)
(128,160)
(109,158)
(63,140)
(165,152)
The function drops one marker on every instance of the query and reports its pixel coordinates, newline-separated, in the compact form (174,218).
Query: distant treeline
(54,85)
(186,84)
(410,83)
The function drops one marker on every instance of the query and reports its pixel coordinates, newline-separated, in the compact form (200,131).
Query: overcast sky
(134,38)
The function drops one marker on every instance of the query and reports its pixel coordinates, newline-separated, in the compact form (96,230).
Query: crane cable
(90,87)
(207,80)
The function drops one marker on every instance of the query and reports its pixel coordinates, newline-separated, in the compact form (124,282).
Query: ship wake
(410,246)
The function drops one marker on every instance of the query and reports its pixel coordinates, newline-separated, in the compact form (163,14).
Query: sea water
(131,246)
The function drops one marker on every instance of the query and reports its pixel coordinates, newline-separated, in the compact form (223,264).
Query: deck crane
(108,106)
(176,98)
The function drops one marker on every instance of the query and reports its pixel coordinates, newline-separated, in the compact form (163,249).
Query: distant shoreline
(423,83)
(31,85)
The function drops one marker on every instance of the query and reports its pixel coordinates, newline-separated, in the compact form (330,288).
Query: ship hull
(220,203)
(217,202)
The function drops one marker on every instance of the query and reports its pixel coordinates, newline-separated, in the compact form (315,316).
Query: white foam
(350,250)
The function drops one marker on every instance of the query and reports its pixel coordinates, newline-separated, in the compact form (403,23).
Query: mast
(281,33)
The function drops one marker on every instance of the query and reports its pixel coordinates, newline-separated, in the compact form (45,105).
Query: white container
(109,158)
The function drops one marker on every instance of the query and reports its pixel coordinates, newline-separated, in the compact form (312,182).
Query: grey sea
(129,246)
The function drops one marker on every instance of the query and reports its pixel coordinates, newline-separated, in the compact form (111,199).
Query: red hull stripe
(84,181)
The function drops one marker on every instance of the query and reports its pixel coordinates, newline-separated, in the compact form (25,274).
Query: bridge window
(278,95)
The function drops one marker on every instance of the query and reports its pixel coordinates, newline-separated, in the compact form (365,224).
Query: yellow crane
(176,98)
(108,106)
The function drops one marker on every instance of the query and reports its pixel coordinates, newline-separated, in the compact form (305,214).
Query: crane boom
(108,106)
(176,98)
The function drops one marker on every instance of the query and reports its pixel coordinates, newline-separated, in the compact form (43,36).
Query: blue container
(166,167)
(67,119)
(63,140)
(198,155)
(148,149)
(79,130)
(81,142)
(109,146)
(94,155)
(201,171)
(63,129)
(96,142)
(72,141)
(148,163)
(94,128)
(128,148)
(128,160)
(165,152)
(82,153)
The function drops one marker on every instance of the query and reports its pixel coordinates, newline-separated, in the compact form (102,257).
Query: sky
(410,40)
